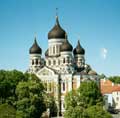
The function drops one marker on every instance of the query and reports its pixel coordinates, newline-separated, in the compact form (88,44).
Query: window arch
(32,62)
(63,86)
(63,60)
(36,61)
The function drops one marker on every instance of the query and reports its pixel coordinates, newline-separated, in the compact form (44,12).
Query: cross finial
(78,37)
(35,35)
(56,12)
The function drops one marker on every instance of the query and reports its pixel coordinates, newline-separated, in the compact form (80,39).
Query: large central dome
(56,32)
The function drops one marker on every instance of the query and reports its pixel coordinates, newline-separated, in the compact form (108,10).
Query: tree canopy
(80,103)
(7,111)
(115,79)
(22,91)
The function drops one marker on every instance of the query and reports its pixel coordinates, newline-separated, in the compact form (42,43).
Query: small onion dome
(56,31)
(66,46)
(35,49)
(46,53)
(92,72)
(79,49)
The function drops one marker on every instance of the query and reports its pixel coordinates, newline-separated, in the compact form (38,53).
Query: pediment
(45,71)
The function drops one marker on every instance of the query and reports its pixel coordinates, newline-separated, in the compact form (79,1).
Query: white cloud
(104,52)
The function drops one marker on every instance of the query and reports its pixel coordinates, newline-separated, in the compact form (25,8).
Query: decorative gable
(45,72)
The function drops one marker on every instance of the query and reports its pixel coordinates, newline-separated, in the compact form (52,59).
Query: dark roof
(56,31)
(79,49)
(35,49)
(66,46)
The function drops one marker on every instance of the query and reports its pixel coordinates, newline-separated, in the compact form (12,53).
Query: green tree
(8,83)
(89,93)
(79,103)
(115,79)
(30,96)
(7,111)
(97,112)
(51,104)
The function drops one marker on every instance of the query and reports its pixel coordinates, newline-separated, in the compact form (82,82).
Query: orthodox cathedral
(63,68)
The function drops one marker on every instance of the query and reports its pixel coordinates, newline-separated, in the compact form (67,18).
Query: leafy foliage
(97,112)
(115,79)
(7,111)
(24,92)
(51,104)
(87,99)
(30,98)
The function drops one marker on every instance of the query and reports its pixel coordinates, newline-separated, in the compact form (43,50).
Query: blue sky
(95,22)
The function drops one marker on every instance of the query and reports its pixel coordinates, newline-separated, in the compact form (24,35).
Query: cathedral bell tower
(66,57)
(79,53)
(35,57)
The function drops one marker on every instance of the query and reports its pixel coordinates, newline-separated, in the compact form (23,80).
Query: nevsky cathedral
(63,67)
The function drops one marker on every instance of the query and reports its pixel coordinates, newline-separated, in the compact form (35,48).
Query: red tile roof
(107,87)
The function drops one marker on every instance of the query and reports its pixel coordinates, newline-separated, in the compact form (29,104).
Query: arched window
(32,62)
(63,60)
(36,61)
(63,86)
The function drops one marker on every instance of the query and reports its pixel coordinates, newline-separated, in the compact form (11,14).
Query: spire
(79,43)
(56,11)
(57,21)
(35,37)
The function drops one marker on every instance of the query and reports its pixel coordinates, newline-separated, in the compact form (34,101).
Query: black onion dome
(79,49)
(35,49)
(66,46)
(56,31)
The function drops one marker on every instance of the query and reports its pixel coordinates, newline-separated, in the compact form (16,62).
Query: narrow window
(36,61)
(63,86)
(32,62)
(63,60)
